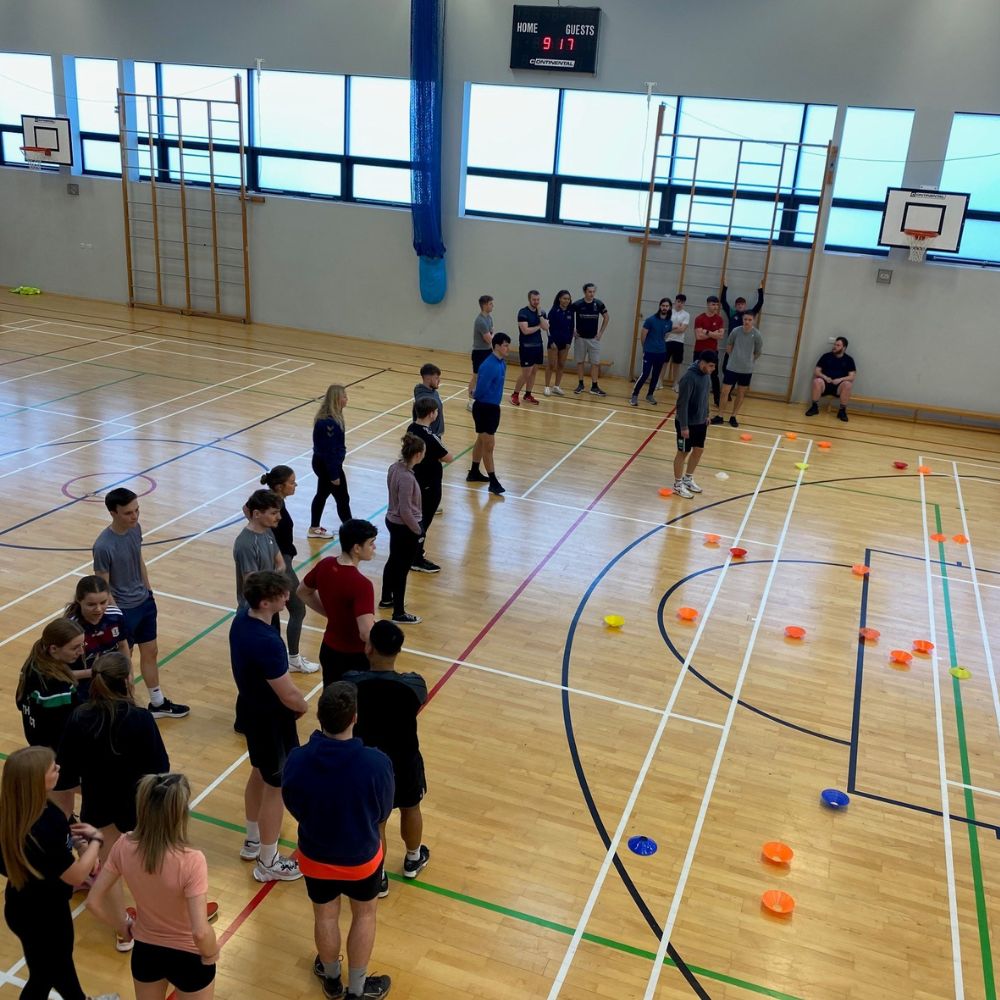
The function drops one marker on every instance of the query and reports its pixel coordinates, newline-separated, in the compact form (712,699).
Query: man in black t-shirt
(589,312)
(428,472)
(388,705)
(834,376)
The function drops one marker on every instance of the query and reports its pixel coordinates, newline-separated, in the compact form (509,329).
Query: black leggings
(403,547)
(296,609)
(326,489)
(430,500)
(47,941)
(652,365)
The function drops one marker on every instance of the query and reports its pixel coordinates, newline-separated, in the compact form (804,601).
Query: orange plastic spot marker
(924,470)
(738,553)
(938,537)
(869,633)
(713,539)
(614,621)
(901,656)
(900,465)
(823,444)
(795,631)
(777,902)
(746,437)
(860,569)
(923,645)
(665,491)
(961,539)
(791,435)
(687,614)
(777,852)
(960,673)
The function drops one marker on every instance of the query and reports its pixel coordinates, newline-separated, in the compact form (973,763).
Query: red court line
(505,607)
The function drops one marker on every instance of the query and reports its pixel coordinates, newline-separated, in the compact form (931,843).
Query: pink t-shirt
(161,900)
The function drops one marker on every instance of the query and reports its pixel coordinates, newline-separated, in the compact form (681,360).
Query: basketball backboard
(941,213)
(51,134)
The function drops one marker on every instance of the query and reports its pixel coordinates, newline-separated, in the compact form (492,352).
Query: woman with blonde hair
(41,871)
(403,519)
(329,451)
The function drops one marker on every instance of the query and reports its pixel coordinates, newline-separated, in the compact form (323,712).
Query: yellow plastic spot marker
(614,621)
(960,673)
(802,465)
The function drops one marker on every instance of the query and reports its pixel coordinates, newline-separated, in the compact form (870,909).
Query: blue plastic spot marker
(834,798)
(643,846)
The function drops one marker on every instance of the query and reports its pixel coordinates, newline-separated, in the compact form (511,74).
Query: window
(872,158)
(378,140)
(972,163)
(25,89)
(97,114)
(512,128)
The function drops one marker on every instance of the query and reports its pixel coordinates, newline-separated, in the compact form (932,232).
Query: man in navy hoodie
(341,792)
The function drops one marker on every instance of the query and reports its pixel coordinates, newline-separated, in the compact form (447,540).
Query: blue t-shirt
(656,335)
(489,382)
(258,655)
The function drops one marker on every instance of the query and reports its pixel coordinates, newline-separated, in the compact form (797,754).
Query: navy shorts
(695,438)
(729,377)
(152,963)
(561,345)
(140,622)
(269,742)
(326,890)
(486,417)
(531,356)
(675,352)
(478,357)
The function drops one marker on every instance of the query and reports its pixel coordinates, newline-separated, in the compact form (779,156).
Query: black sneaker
(476,477)
(332,986)
(387,604)
(407,619)
(651,399)
(842,414)
(596,390)
(168,710)
(496,489)
(383,886)
(425,566)
(578,389)
(733,422)
(411,869)
(812,411)
(716,420)
(375,988)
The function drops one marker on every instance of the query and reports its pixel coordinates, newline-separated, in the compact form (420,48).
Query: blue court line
(940,562)
(45,354)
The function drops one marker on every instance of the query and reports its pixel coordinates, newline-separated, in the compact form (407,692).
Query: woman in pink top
(174,942)
(405,533)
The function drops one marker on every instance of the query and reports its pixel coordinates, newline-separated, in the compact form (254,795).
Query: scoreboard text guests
(559,39)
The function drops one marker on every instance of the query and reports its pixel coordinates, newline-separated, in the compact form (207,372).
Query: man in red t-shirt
(709,330)
(335,588)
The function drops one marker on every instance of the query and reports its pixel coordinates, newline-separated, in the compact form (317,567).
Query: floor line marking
(975,788)
(654,743)
(686,866)
(74,364)
(949,859)
(579,444)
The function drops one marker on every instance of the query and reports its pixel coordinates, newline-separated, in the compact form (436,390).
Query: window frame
(12,129)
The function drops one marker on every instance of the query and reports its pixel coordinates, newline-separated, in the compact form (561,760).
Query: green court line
(69,395)
(982,914)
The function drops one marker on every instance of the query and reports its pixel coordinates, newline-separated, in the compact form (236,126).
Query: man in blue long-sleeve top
(486,413)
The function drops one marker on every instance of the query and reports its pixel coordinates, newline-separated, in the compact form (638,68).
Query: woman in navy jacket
(329,451)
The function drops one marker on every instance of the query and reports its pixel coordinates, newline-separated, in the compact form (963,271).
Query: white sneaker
(470,404)
(548,391)
(105,996)
(282,869)
(681,489)
(677,387)
(298,664)
(557,391)
(319,532)
(250,850)
(691,484)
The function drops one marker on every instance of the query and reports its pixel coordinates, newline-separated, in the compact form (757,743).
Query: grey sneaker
(411,869)
(282,869)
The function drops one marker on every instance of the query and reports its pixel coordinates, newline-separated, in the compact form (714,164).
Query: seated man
(834,376)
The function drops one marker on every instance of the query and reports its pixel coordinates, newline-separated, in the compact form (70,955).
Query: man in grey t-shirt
(482,341)
(255,549)
(118,559)
(744,347)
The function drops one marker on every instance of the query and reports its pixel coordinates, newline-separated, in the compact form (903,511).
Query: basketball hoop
(918,241)
(42,156)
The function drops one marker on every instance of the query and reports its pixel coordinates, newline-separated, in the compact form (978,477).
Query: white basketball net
(918,245)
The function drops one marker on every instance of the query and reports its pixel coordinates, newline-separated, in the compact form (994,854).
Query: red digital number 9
(546,43)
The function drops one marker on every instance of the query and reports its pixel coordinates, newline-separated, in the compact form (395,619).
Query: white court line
(974,788)
(978,596)
(977,465)
(949,860)
(706,799)
(63,413)
(579,444)
(74,364)
(602,874)
(166,416)
(967,583)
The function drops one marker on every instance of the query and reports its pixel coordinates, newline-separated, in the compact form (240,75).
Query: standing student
(588,312)
(118,559)
(174,942)
(531,323)
(691,422)
(336,589)
(744,346)
(403,522)
(108,745)
(329,452)
(388,705)
(255,549)
(41,870)
(709,334)
(281,479)
(429,472)
(341,791)
(734,314)
(486,413)
(559,340)
(654,333)
(482,342)
(267,706)
(680,321)
(46,691)
(103,627)
(427,388)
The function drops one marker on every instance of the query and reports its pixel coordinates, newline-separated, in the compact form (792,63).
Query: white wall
(351,268)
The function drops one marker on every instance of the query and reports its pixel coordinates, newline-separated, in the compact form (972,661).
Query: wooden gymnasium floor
(548,733)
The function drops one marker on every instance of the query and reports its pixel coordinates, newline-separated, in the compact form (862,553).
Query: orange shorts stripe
(340,873)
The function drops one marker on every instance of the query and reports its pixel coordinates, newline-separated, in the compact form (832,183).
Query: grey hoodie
(692,397)
(421,391)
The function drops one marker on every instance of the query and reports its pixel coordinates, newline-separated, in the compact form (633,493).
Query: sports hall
(552,740)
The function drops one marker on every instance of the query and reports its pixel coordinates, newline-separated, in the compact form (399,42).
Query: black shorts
(140,622)
(675,352)
(183,969)
(695,438)
(269,743)
(109,807)
(531,356)
(411,785)
(326,890)
(486,417)
(336,663)
(729,377)
(478,357)
(832,390)
(559,345)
